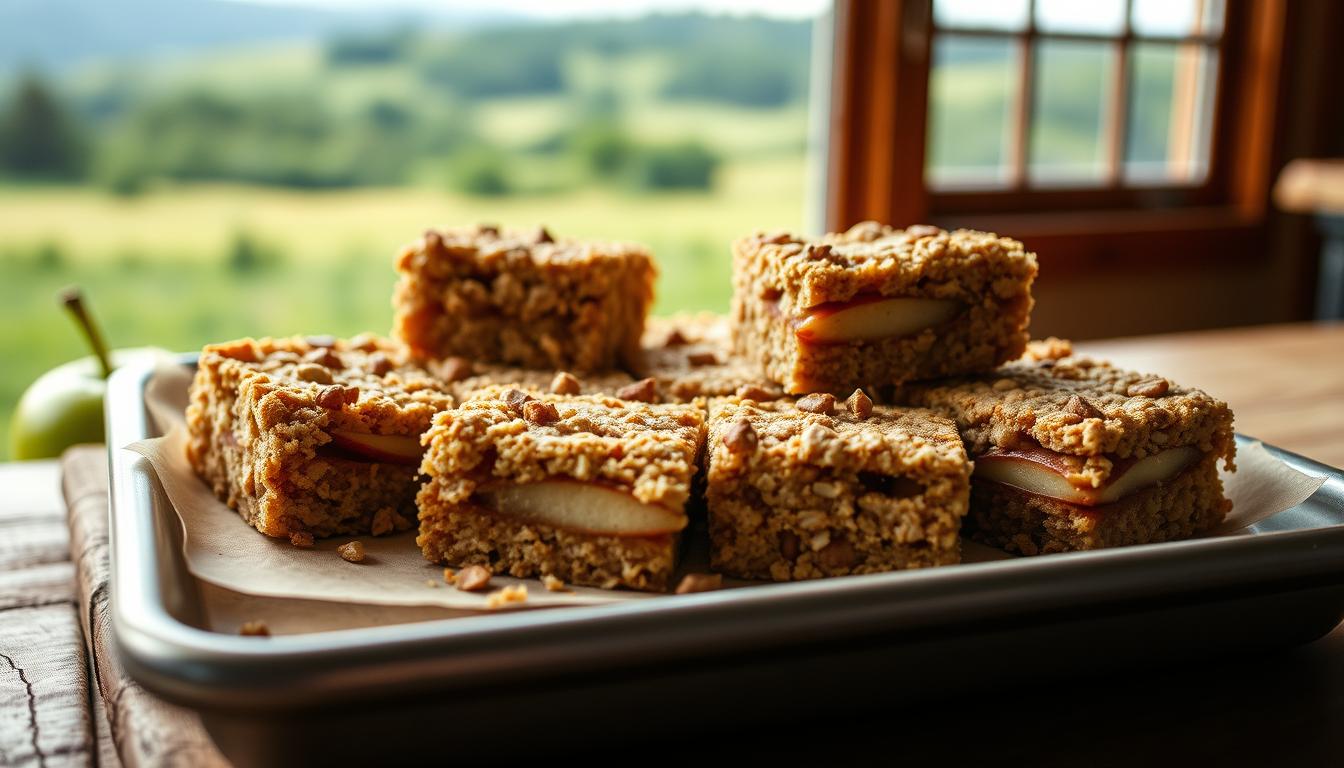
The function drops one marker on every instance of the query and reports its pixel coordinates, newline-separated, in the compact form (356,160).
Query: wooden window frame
(876,151)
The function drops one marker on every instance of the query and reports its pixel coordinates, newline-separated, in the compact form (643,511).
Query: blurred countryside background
(209,169)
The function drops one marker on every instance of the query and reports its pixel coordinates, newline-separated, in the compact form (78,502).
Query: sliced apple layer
(389,449)
(873,317)
(580,506)
(1033,471)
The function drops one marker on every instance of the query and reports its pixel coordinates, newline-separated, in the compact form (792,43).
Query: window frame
(876,150)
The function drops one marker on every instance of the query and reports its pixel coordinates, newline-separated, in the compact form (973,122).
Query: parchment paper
(223,550)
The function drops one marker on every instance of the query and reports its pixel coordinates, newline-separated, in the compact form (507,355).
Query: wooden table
(1286,385)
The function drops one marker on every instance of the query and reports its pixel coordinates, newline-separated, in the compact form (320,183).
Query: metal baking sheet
(737,653)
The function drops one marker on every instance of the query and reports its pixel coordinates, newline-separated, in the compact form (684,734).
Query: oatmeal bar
(691,356)
(827,488)
(587,489)
(312,436)
(877,306)
(1072,453)
(523,299)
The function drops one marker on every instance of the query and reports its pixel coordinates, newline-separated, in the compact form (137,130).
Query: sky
(555,9)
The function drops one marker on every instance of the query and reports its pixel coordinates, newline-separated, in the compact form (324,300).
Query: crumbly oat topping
(691,355)
(648,449)
(552,584)
(512,595)
(1080,407)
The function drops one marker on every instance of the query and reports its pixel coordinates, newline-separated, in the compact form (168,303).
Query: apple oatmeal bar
(310,437)
(1072,453)
(876,306)
(588,489)
(824,488)
(523,299)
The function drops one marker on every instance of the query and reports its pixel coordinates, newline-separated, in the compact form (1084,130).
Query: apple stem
(73,299)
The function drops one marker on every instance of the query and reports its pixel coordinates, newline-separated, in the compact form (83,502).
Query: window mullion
(1026,81)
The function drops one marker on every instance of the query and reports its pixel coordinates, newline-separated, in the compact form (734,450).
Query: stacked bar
(312,436)
(523,299)
(1073,454)
(876,306)
(588,489)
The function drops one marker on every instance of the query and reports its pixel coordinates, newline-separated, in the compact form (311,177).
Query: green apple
(64,407)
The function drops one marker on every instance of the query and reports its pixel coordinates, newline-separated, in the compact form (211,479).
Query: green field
(159,269)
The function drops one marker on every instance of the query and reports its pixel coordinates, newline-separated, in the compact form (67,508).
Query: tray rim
(213,670)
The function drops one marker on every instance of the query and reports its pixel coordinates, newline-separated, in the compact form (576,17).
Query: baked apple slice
(1033,471)
(579,506)
(873,317)
(388,449)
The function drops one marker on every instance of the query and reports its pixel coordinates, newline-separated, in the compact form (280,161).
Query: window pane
(1068,113)
(981,14)
(1171,112)
(1106,17)
(971,91)
(1177,17)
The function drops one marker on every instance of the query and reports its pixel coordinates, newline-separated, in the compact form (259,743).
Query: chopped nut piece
(1005,385)
(821,402)
(674,339)
(777,238)
(565,383)
(544,236)
(788,545)
(449,575)
(336,397)
(379,365)
(699,582)
(553,584)
(314,373)
(540,413)
(740,437)
(644,391)
(455,369)
(836,555)
(754,392)
(917,231)
(301,539)
(323,340)
(697,359)
(325,358)
(1081,408)
(433,240)
(515,594)
(1152,387)
(487,229)
(254,629)
(516,399)
(818,251)
(351,551)
(473,578)
(859,404)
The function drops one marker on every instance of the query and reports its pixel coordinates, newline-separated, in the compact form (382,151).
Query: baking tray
(566,676)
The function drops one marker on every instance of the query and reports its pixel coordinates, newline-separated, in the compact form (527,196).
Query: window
(1039,94)
(1086,127)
